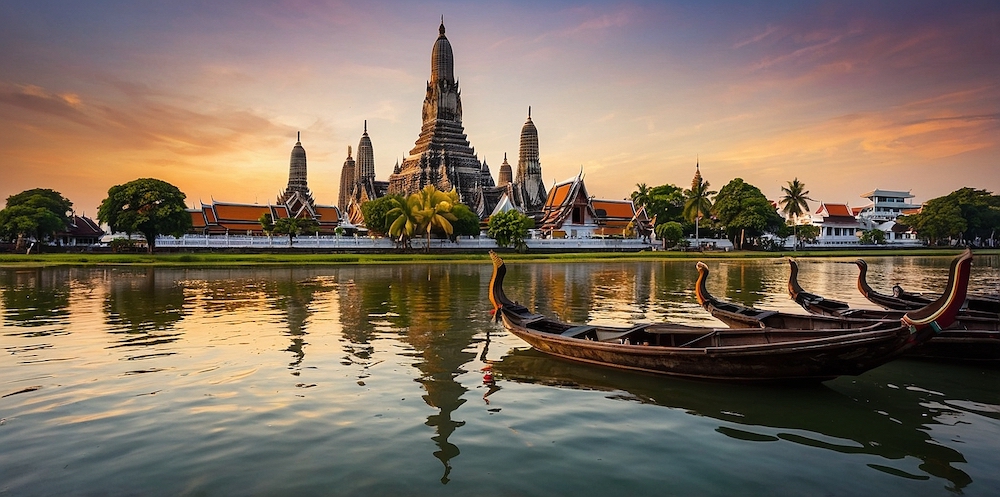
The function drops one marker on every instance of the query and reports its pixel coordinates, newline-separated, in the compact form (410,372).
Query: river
(392,379)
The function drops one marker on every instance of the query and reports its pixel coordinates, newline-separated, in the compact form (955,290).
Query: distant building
(837,225)
(244,219)
(570,212)
(884,206)
(81,231)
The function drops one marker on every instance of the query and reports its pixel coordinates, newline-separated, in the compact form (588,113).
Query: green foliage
(294,226)
(37,213)
(266,223)
(808,233)
(376,212)
(423,212)
(965,214)
(794,201)
(510,229)
(665,203)
(640,196)
(671,232)
(872,237)
(148,206)
(466,222)
(745,211)
(122,245)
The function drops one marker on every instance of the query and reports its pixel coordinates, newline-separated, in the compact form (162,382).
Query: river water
(392,380)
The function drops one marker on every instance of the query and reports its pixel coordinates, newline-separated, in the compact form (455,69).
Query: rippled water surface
(377,380)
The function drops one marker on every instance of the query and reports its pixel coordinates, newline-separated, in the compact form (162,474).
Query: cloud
(37,99)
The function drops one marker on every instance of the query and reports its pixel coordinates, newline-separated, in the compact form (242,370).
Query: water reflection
(852,417)
(35,298)
(142,307)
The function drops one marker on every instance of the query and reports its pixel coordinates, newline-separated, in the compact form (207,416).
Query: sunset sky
(846,96)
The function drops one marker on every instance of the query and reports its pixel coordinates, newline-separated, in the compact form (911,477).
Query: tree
(510,229)
(671,232)
(422,212)
(38,213)
(148,206)
(794,203)
(294,226)
(665,203)
(266,223)
(872,237)
(640,196)
(435,211)
(466,222)
(402,220)
(808,233)
(939,218)
(698,203)
(376,212)
(744,211)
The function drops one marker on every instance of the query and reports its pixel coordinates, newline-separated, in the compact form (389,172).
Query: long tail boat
(750,354)
(972,337)
(904,301)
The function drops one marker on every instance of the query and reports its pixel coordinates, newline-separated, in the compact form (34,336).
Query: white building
(881,211)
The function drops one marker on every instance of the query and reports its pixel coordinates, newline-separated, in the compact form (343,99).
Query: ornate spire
(366,157)
(696,181)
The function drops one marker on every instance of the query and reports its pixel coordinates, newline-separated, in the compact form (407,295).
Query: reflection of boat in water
(866,420)
(903,301)
(755,354)
(974,336)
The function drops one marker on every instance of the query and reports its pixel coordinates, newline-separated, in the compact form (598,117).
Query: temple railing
(374,243)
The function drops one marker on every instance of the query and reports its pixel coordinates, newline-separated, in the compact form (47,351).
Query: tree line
(739,211)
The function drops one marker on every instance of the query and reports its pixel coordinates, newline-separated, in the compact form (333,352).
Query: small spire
(348,151)
(505,156)
(366,126)
(298,136)
(529,112)
(441,29)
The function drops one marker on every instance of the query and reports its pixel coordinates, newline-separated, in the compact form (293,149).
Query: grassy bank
(211,259)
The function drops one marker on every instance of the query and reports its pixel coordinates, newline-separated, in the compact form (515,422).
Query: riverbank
(293,259)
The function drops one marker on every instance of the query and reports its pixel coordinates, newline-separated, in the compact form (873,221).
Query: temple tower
(529,170)
(347,182)
(506,176)
(442,155)
(366,158)
(297,183)
(485,178)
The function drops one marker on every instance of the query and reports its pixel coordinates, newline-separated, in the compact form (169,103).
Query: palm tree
(794,204)
(698,203)
(435,211)
(422,212)
(640,196)
(404,223)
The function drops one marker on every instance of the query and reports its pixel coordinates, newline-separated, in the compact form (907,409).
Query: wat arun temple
(441,156)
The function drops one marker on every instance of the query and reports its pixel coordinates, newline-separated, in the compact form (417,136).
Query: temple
(442,155)
(296,201)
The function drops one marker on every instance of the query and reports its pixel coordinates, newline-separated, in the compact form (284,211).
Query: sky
(846,96)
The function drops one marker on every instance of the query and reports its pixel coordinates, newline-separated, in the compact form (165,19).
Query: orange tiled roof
(558,194)
(197,219)
(328,214)
(615,208)
(240,212)
(838,210)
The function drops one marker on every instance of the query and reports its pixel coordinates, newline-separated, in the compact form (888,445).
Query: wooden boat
(972,337)
(904,301)
(751,354)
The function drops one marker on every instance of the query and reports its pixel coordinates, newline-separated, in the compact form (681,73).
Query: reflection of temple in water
(428,308)
(35,297)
